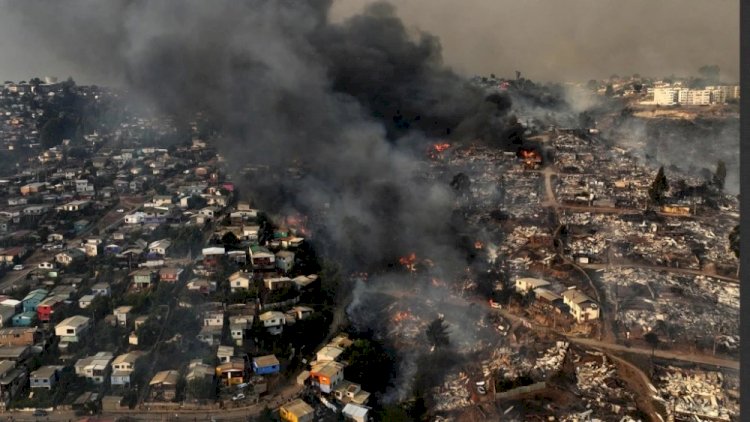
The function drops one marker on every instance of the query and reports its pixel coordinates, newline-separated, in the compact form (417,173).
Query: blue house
(24,319)
(31,301)
(263,365)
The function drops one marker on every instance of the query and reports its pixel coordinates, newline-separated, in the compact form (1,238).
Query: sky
(557,41)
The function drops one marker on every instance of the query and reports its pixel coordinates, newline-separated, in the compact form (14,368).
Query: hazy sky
(546,40)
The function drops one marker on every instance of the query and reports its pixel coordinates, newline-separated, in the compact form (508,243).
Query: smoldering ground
(355,102)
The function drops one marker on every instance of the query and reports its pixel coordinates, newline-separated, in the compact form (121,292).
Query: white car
(238,397)
(120,210)
(18,267)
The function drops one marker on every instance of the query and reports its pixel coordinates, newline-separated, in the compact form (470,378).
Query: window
(70,331)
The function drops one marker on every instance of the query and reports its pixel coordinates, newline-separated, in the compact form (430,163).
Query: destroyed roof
(546,294)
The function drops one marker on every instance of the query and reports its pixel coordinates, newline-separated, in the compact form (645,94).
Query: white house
(582,307)
(273,321)
(159,247)
(526,284)
(213,319)
(95,368)
(239,280)
(85,301)
(285,260)
(121,314)
(71,329)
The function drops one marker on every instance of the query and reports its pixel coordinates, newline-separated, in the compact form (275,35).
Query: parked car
(18,267)
(120,210)
(238,397)
(39,412)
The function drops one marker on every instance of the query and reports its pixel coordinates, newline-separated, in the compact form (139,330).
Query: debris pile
(452,394)
(697,393)
(551,361)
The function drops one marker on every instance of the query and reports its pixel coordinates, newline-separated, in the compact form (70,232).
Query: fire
(441,146)
(400,316)
(298,222)
(409,261)
(478,244)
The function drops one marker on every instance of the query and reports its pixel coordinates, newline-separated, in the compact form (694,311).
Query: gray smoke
(355,102)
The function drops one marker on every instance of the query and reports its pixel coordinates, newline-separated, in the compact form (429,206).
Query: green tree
(437,333)
(369,365)
(658,187)
(720,176)
(200,389)
(394,413)
(229,239)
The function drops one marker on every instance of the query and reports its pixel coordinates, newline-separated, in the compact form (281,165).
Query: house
(303,282)
(75,206)
(163,386)
(121,314)
(6,315)
(24,319)
(72,329)
(582,307)
(210,334)
(285,261)
(355,413)
(13,379)
(276,283)
(239,280)
(159,247)
(170,274)
(32,299)
(94,368)
(547,299)
(296,411)
(15,353)
(326,375)
(261,257)
(264,365)
(350,392)
(239,331)
(101,289)
(329,353)
(526,284)
(142,278)
(48,306)
(12,255)
(19,336)
(139,321)
(212,256)
(199,370)
(201,285)
(46,265)
(70,256)
(122,366)
(232,372)
(45,377)
(85,301)
(273,321)
(302,312)
(91,249)
(213,318)
(225,353)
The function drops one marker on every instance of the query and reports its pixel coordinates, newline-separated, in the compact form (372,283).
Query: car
(57,246)
(238,397)
(18,267)
(481,390)
(241,386)
(120,210)
(39,412)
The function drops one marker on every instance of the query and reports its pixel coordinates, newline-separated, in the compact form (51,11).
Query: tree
(437,333)
(734,244)
(720,176)
(658,187)
(394,413)
(369,365)
(609,91)
(229,239)
(200,389)
(653,340)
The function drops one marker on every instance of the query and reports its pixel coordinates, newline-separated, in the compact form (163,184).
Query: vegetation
(720,176)
(437,333)
(368,365)
(658,188)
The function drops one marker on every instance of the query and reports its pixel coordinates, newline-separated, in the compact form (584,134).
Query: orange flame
(478,244)
(409,261)
(400,316)
(441,146)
